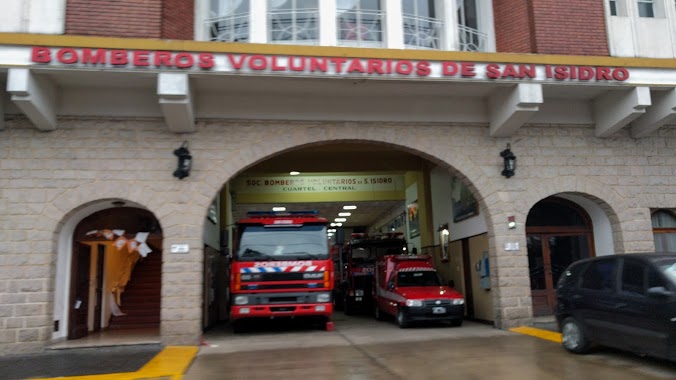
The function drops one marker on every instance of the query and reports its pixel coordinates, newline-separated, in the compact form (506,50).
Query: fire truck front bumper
(283,304)
(281,310)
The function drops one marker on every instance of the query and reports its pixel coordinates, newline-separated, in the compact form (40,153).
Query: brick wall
(573,27)
(178,19)
(172,19)
(513,27)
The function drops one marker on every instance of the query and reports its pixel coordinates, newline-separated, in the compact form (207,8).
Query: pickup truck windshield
(308,242)
(422,278)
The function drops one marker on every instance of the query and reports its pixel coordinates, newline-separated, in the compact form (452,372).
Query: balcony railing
(422,32)
(301,25)
(231,28)
(471,39)
(360,26)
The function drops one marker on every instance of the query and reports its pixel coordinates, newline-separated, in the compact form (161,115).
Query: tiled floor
(112,338)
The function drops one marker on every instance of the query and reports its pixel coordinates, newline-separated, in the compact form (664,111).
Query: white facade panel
(33,16)
(654,39)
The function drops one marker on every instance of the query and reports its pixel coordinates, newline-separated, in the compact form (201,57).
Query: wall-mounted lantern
(184,161)
(509,162)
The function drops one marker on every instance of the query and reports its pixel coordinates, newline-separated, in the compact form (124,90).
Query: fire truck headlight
(458,301)
(414,303)
(324,297)
(241,300)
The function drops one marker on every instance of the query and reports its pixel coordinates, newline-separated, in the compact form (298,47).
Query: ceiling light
(280,208)
(338,224)
(333,224)
(340,220)
(349,207)
(294,173)
(344,214)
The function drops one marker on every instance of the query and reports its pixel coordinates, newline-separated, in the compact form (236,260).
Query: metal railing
(231,28)
(300,25)
(471,39)
(422,32)
(360,26)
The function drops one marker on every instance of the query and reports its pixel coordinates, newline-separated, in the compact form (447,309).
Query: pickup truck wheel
(402,318)
(377,313)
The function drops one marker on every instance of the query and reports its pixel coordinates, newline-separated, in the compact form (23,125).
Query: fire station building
(507,139)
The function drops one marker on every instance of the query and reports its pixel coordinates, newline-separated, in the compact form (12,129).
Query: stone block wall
(46,177)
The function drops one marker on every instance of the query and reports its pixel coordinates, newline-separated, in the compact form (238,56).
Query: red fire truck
(409,288)
(354,288)
(281,267)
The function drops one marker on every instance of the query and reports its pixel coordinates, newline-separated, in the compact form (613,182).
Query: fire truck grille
(283,276)
(278,286)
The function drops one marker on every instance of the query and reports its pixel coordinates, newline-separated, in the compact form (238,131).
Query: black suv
(621,301)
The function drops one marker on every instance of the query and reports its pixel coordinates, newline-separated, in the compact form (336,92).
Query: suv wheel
(573,336)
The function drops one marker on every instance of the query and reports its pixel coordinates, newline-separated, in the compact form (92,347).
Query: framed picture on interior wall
(464,204)
(413,219)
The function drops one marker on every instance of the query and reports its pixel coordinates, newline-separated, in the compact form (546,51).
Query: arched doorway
(115,280)
(558,232)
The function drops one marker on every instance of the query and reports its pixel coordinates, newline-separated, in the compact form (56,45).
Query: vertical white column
(447,12)
(201,14)
(486,23)
(328,34)
(394,29)
(258,21)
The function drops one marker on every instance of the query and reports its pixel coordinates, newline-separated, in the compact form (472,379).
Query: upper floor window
(664,231)
(613,7)
(421,27)
(468,27)
(294,21)
(646,8)
(228,21)
(360,22)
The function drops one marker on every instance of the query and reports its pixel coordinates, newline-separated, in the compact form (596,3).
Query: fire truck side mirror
(390,285)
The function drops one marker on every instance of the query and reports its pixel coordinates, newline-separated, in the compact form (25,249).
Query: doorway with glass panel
(558,232)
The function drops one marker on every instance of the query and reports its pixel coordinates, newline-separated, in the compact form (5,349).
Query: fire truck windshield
(422,278)
(307,242)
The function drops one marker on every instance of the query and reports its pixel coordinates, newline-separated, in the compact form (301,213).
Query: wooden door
(558,232)
(99,297)
(79,292)
(548,257)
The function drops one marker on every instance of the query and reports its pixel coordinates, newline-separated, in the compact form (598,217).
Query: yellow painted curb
(538,333)
(171,362)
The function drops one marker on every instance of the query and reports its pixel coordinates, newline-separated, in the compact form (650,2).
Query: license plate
(439,310)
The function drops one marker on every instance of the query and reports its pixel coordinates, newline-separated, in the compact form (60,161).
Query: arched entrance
(115,281)
(558,232)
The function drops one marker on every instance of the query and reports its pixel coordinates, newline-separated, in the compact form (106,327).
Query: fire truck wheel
(238,326)
(402,319)
(347,306)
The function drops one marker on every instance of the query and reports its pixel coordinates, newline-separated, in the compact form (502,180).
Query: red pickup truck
(409,288)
